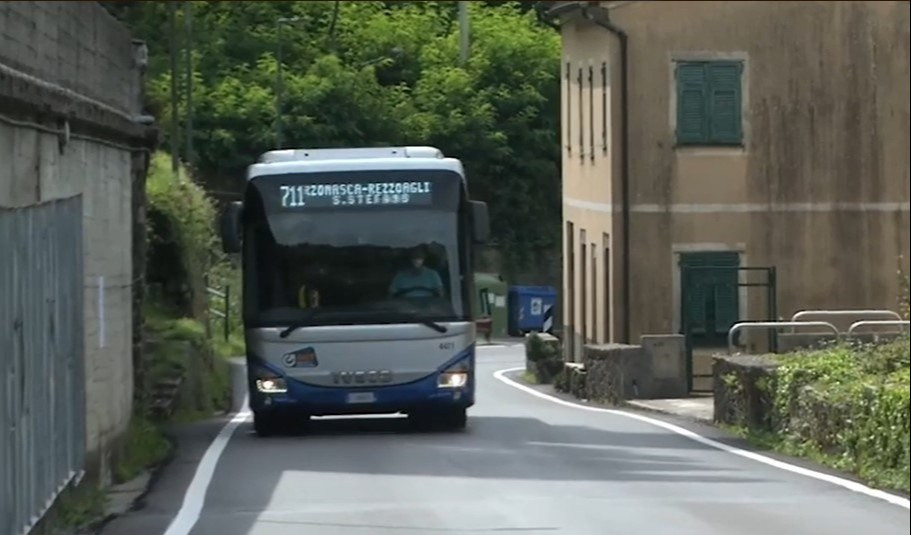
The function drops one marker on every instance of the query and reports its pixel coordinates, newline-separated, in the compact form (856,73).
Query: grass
(146,447)
(205,369)
(879,477)
(78,508)
(234,346)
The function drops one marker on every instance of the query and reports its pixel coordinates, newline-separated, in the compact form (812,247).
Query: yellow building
(741,134)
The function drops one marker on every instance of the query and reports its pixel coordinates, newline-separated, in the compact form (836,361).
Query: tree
(379,73)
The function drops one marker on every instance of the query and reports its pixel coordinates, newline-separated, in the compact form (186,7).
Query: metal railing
(878,323)
(776,325)
(858,314)
(225,312)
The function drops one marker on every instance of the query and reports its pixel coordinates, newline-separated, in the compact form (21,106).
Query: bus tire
(266,424)
(455,419)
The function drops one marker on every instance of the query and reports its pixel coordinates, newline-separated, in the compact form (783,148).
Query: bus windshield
(352,265)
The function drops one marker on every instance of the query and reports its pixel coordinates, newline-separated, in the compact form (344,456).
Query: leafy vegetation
(181,237)
(146,447)
(78,509)
(846,406)
(372,74)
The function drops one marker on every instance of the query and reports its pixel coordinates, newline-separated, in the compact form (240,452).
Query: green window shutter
(726,291)
(696,292)
(724,102)
(692,112)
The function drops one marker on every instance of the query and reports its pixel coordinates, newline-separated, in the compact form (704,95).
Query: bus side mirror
(230,227)
(480,221)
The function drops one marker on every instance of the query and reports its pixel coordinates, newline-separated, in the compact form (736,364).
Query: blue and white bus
(357,284)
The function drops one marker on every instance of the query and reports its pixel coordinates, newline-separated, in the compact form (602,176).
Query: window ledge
(710,148)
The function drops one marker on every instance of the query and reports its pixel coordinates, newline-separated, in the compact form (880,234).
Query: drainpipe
(604,22)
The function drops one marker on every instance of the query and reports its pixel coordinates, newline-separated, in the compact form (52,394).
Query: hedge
(848,405)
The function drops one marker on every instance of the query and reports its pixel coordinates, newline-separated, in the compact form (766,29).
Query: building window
(591,112)
(604,107)
(709,103)
(581,85)
(569,108)
(583,289)
(569,317)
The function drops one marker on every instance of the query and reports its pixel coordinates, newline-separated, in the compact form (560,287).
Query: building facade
(730,135)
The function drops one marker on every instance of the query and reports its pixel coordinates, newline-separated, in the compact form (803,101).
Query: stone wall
(742,388)
(654,369)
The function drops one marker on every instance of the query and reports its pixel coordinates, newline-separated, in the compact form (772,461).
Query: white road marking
(195,496)
(841,482)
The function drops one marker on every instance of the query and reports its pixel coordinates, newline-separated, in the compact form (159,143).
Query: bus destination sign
(393,193)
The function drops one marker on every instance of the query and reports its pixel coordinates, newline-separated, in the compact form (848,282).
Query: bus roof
(279,162)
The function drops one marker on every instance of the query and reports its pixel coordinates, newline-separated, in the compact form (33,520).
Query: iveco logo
(365,377)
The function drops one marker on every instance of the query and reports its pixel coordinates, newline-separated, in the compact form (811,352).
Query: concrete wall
(78,46)
(820,187)
(69,85)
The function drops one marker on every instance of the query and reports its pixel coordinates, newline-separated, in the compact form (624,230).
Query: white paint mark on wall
(100,310)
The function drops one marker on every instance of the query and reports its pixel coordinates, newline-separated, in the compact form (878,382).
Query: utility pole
(175,133)
(278,85)
(188,47)
(463,32)
(279,77)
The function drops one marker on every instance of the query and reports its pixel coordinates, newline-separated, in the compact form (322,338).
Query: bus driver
(416,280)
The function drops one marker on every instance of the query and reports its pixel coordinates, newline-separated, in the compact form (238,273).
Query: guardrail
(777,325)
(859,313)
(877,323)
(225,313)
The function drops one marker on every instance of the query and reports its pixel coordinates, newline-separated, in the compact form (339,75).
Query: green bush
(181,236)
(849,406)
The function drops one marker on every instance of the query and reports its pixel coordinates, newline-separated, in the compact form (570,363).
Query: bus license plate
(361,397)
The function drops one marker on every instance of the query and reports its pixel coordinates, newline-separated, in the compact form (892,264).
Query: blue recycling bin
(527,308)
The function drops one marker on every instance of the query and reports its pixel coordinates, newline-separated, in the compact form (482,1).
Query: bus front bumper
(422,395)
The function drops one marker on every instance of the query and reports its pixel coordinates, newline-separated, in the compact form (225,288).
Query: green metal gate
(710,284)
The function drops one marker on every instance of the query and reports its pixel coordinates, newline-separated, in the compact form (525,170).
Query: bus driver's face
(417,261)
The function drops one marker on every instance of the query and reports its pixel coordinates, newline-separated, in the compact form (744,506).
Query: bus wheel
(266,424)
(455,418)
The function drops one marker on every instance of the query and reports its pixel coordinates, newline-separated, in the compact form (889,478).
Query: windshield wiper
(293,327)
(303,322)
(438,327)
(320,313)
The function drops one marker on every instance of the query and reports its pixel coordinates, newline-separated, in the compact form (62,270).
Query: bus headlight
(456,376)
(270,383)
(272,386)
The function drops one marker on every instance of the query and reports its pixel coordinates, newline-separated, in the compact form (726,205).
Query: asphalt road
(525,465)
